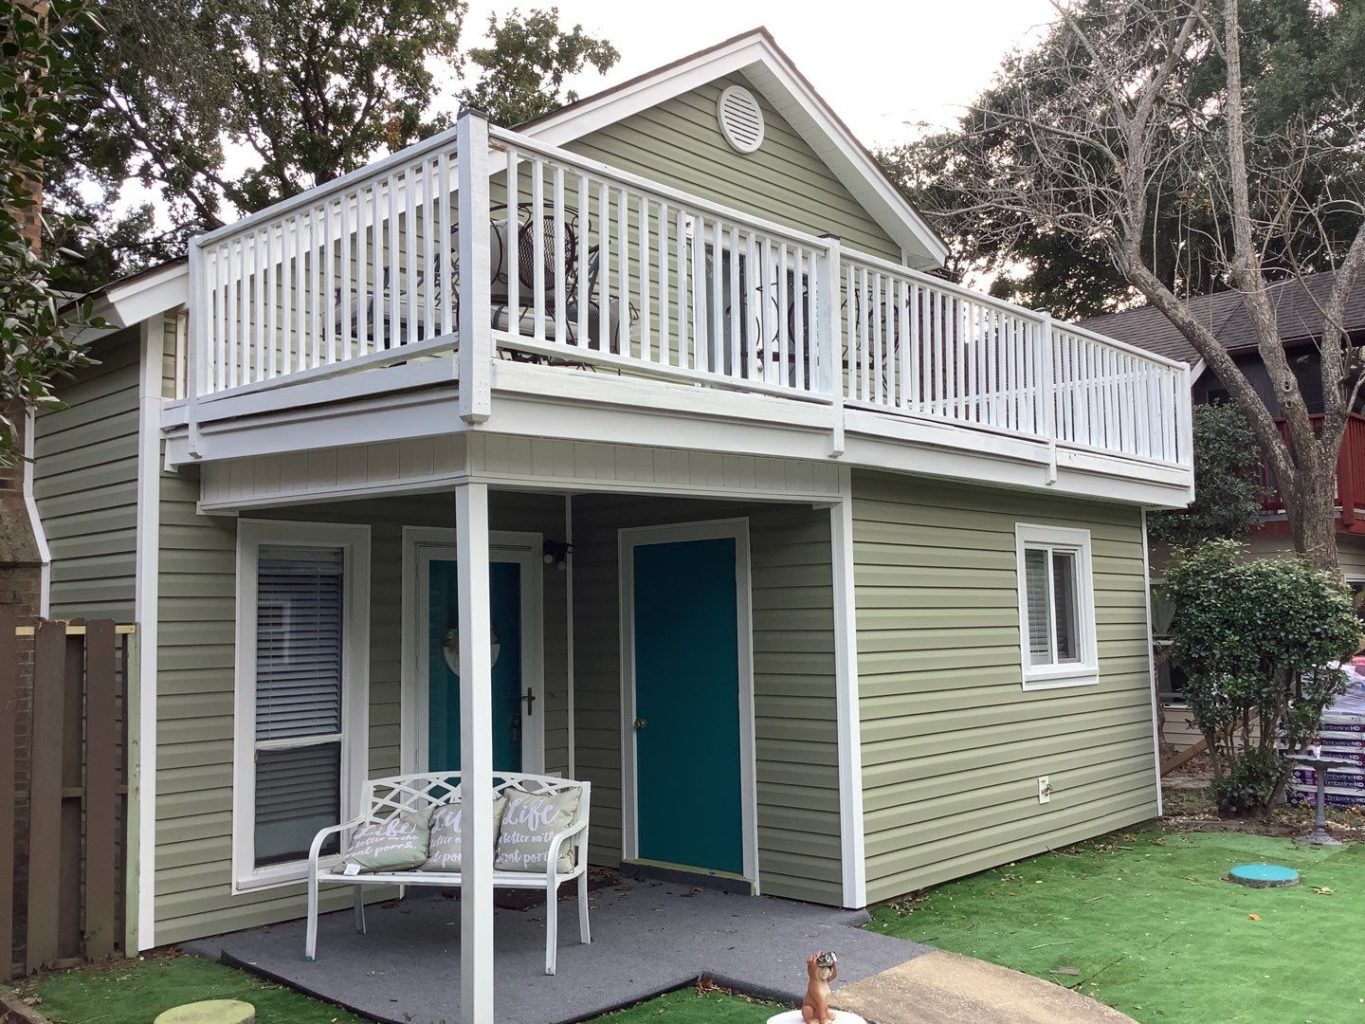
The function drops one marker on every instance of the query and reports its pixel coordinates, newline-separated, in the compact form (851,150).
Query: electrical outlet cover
(1044,789)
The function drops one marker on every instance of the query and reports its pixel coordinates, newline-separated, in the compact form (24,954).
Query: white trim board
(35,521)
(1151,661)
(1084,669)
(420,543)
(146,588)
(628,538)
(773,75)
(852,846)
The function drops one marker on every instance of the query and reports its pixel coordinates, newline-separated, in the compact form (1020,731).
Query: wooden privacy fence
(64,687)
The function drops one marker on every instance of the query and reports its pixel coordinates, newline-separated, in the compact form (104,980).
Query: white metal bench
(386,797)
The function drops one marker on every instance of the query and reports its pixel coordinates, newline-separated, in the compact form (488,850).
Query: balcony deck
(594,287)
(1350,481)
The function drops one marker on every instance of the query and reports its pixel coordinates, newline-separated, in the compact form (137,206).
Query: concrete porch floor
(648,937)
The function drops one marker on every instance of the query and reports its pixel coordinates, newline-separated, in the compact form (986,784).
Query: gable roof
(1298,305)
(776,78)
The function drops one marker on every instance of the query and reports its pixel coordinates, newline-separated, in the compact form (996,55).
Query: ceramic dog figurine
(822,968)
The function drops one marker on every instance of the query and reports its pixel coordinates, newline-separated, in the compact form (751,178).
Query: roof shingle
(1298,310)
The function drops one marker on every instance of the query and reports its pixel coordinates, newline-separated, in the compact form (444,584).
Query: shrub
(1227,482)
(1256,639)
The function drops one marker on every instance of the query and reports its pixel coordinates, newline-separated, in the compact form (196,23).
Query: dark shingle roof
(1298,309)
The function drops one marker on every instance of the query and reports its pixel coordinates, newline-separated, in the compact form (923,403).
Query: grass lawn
(1145,922)
(134,992)
(687,1007)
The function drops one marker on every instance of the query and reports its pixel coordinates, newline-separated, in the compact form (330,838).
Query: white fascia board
(772,75)
(149,295)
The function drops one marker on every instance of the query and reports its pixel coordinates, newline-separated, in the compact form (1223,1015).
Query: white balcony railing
(919,345)
(573,263)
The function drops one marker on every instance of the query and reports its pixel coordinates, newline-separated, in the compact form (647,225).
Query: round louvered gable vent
(741,119)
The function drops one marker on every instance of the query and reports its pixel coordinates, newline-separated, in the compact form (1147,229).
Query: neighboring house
(815,565)
(1298,308)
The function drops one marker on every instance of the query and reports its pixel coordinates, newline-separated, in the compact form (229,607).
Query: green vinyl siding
(679,143)
(85,483)
(193,894)
(952,746)
(796,741)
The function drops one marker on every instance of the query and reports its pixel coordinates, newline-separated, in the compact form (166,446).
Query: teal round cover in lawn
(1263,876)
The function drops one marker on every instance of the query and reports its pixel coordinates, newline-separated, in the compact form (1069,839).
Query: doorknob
(640,723)
(530,698)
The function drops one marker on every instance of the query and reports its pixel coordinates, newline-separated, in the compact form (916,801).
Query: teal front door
(442,660)
(687,707)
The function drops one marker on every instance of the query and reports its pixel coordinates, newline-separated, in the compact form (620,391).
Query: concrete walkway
(648,937)
(944,988)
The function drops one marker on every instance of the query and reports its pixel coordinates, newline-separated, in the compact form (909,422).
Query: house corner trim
(853,853)
(145,592)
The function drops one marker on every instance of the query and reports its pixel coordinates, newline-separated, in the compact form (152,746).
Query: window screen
(1064,604)
(1051,592)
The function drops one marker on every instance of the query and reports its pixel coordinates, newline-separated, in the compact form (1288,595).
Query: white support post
(569,629)
(829,335)
(852,847)
(475,352)
(476,754)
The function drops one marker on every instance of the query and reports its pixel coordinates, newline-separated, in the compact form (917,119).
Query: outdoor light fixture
(557,552)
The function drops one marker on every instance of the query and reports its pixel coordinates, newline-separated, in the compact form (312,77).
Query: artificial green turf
(1154,930)
(135,991)
(685,1006)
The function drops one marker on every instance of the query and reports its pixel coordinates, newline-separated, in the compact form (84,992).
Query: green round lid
(1263,876)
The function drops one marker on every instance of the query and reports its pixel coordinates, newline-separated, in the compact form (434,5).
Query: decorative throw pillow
(443,852)
(395,844)
(529,822)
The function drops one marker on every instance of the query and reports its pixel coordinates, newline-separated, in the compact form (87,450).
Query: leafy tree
(222,107)
(1227,482)
(39,95)
(1136,111)
(525,63)
(1307,60)
(1256,639)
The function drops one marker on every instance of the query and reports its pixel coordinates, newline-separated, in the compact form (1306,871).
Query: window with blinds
(1050,587)
(300,610)
(1056,613)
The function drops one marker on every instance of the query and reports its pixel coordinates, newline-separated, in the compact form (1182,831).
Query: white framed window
(300,747)
(1056,607)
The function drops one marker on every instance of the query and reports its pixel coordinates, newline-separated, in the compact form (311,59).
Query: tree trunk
(1310,506)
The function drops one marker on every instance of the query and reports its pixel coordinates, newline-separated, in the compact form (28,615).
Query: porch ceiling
(648,937)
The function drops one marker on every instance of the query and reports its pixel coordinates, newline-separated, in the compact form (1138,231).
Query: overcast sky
(878,63)
(884,66)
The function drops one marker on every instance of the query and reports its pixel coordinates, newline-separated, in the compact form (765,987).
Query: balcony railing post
(828,338)
(196,337)
(1045,407)
(1185,420)
(474,354)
